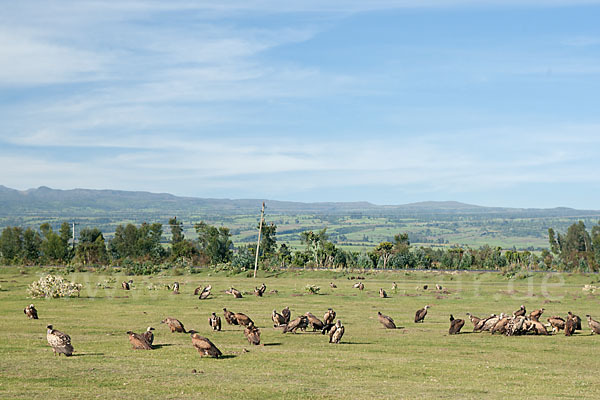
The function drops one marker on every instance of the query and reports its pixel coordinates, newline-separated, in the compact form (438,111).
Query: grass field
(416,361)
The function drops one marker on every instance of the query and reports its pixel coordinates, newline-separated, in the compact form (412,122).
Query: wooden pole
(262,215)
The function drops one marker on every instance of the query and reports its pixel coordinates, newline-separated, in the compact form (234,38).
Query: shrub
(54,286)
(312,289)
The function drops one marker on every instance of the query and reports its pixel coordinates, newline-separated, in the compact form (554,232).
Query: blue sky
(485,102)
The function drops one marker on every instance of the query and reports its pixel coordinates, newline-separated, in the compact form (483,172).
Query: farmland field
(414,361)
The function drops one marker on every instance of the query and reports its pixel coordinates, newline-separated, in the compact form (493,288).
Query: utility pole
(262,217)
(74,235)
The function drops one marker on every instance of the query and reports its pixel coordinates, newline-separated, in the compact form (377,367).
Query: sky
(494,103)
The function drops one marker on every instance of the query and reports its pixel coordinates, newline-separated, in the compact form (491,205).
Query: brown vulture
(125,285)
(229,317)
(242,319)
(200,290)
(315,322)
(252,333)
(480,324)
(31,312)
(535,315)
(336,333)
(420,314)
(501,325)
(438,286)
(489,324)
(455,325)
(234,292)
(539,328)
(594,325)
(520,312)
(278,319)
(204,295)
(299,323)
(474,320)
(260,291)
(174,324)
(557,323)
(329,316)
(148,335)
(570,326)
(214,321)
(382,293)
(286,314)
(60,342)
(176,288)
(576,319)
(204,346)
(333,285)
(386,321)
(138,341)
(394,286)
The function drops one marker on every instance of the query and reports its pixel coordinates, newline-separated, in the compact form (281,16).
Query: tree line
(575,250)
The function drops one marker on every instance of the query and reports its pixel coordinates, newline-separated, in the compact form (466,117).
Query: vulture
(214,321)
(252,333)
(491,322)
(520,312)
(455,325)
(327,328)
(361,287)
(420,314)
(60,342)
(576,319)
(501,325)
(394,286)
(481,323)
(286,314)
(557,323)
(229,317)
(438,287)
(278,319)
(329,316)
(174,324)
(260,291)
(242,319)
(386,321)
(234,292)
(570,326)
(31,312)
(125,285)
(535,315)
(425,287)
(138,342)
(594,325)
(315,322)
(538,327)
(204,346)
(148,335)
(336,333)
(176,288)
(474,320)
(204,295)
(382,293)
(333,285)
(299,323)
(200,290)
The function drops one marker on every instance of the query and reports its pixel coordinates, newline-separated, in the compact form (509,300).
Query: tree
(177,235)
(54,249)
(384,251)
(11,245)
(91,248)
(214,242)
(32,246)
(268,241)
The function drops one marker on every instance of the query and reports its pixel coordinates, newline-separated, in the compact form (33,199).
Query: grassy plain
(415,361)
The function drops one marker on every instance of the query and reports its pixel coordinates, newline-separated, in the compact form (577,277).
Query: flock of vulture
(519,323)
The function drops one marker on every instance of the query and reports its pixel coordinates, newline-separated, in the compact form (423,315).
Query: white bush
(54,286)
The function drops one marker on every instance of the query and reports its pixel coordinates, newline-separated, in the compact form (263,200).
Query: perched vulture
(329,316)
(535,315)
(174,324)
(594,325)
(386,321)
(260,291)
(539,328)
(60,342)
(576,319)
(215,322)
(481,323)
(394,286)
(557,323)
(234,292)
(229,317)
(438,287)
(474,320)
(420,314)
(31,312)
(138,341)
(200,290)
(382,293)
(336,333)
(204,295)
(520,312)
(455,325)
(125,285)
(176,288)
(252,333)
(356,285)
(315,322)
(501,325)
(333,285)
(278,319)
(327,328)
(299,323)
(570,326)
(242,319)
(286,314)
(491,322)
(148,335)
(361,286)
(204,346)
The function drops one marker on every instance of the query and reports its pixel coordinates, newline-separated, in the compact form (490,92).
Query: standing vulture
(520,312)
(474,320)
(60,342)
(394,286)
(138,341)
(420,314)
(570,326)
(174,324)
(278,319)
(329,316)
(382,293)
(557,323)
(386,321)
(286,314)
(148,335)
(576,319)
(315,322)
(260,291)
(333,285)
(234,292)
(252,333)
(229,317)
(242,319)
(336,333)
(455,325)
(481,323)
(501,325)
(176,288)
(299,323)
(31,312)
(535,315)
(594,325)
(204,346)
(214,321)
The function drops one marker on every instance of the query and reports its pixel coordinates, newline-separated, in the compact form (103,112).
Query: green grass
(417,361)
